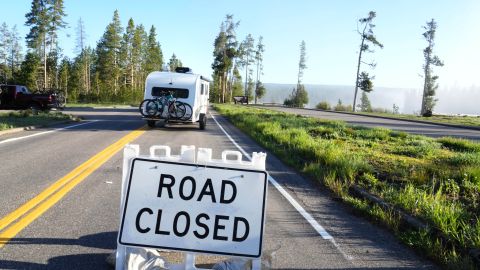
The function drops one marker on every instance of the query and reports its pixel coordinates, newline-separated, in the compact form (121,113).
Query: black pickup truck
(19,97)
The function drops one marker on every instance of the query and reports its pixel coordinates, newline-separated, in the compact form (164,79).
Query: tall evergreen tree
(299,96)
(83,57)
(63,76)
(28,72)
(4,45)
(174,62)
(15,56)
(259,88)
(45,19)
(36,39)
(430,84)
(367,38)
(247,54)
(108,57)
(126,54)
(154,55)
(224,53)
(365,105)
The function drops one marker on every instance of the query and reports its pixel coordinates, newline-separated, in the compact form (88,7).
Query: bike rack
(188,154)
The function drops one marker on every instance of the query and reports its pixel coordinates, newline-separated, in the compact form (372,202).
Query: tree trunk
(358,72)
(44,63)
(258,79)
(246,76)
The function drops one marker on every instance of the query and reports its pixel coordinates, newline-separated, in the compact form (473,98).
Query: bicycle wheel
(153,108)
(142,108)
(188,112)
(177,110)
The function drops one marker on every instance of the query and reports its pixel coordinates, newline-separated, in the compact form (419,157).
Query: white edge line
(316,226)
(46,132)
(323,233)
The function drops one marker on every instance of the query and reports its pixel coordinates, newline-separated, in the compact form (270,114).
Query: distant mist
(450,100)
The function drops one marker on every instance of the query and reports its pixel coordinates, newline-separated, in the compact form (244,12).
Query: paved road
(80,230)
(406,126)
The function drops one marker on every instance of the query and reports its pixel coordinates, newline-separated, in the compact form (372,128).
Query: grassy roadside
(472,121)
(434,180)
(27,118)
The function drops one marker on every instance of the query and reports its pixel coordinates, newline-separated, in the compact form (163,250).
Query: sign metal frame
(127,197)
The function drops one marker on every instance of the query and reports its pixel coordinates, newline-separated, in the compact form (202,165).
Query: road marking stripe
(316,226)
(46,132)
(5,221)
(293,202)
(61,187)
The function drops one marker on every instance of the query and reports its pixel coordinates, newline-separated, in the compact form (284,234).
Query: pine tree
(4,48)
(36,39)
(430,85)
(126,54)
(174,62)
(154,55)
(299,96)
(259,88)
(45,19)
(224,53)
(247,54)
(63,76)
(367,38)
(15,56)
(83,57)
(108,57)
(28,72)
(365,105)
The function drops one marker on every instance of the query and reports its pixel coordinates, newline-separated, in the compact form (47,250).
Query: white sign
(196,208)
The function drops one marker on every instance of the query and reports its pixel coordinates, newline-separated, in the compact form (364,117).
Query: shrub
(459,145)
(323,105)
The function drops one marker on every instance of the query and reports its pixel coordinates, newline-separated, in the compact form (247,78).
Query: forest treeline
(114,71)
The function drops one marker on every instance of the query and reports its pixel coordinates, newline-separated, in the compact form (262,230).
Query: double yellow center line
(16,221)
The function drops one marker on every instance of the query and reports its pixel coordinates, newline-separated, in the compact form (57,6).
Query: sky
(329,28)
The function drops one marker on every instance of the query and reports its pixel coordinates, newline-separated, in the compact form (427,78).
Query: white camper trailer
(186,87)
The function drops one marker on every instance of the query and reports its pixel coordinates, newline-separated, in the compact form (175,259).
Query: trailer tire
(203,121)
(151,123)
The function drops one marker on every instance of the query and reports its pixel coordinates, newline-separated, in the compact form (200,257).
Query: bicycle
(155,107)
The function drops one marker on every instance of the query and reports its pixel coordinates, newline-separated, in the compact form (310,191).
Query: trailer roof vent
(183,70)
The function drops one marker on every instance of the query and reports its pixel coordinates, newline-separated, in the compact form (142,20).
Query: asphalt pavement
(80,230)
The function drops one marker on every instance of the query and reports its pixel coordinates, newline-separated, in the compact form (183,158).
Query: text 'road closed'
(194,208)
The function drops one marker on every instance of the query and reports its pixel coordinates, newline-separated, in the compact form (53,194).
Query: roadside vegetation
(28,118)
(435,182)
(473,121)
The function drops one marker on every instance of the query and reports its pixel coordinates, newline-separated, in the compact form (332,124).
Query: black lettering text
(137,220)
(175,224)
(218,226)
(192,192)
(207,190)
(159,220)
(236,220)
(222,194)
(203,225)
(168,186)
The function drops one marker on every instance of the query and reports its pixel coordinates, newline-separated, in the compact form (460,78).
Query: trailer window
(202,92)
(176,92)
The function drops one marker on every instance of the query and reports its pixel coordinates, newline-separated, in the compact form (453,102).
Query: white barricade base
(188,154)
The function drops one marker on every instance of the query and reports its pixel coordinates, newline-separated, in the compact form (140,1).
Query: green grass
(437,180)
(473,121)
(27,118)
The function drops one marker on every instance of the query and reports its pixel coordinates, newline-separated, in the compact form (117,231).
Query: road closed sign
(195,208)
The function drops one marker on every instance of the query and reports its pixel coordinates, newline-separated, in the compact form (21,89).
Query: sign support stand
(187,155)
